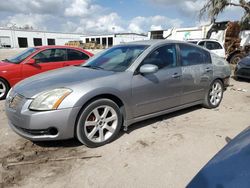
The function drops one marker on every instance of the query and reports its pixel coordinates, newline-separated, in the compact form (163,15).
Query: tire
(104,120)
(4,89)
(234,60)
(214,95)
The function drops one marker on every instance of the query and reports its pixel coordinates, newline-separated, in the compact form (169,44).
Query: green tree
(213,8)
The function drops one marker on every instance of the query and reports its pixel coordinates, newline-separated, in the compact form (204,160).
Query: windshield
(21,56)
(116,59)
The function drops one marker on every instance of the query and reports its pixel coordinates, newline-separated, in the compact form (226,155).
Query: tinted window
(51,55)
(213,45)
(191,55)
(162,57)
(202,43)
(76,55)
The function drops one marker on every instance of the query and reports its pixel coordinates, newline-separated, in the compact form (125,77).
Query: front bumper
(243,72)
(39,126)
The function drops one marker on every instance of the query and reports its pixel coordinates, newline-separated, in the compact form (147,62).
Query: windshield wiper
(93,67)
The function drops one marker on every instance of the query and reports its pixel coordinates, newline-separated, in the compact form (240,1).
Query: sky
(106,16)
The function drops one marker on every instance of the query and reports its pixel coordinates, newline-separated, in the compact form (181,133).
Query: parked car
(118,87)
(210,44)
(242,69)
(229,168)
(36,60)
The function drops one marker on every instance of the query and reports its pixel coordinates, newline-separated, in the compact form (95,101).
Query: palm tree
(213,8)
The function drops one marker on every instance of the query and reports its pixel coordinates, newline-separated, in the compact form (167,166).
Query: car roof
(157,42)
(154,42)
(203,39)
(57,46)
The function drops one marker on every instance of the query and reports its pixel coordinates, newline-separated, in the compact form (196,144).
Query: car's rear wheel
(4,88)
(214,96)
(99,123)
(235,59)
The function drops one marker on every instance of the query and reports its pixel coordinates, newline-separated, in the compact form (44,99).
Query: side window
(51,55)
(213,45)
(76,55)
(163,57)
(191,55)
(202,43)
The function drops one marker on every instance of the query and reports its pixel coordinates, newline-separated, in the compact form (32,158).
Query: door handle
(208,69)
(176,75)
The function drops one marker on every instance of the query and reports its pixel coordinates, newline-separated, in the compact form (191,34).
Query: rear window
(213,45)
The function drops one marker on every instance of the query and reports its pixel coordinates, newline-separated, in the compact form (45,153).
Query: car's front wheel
(99,123)
(214,95)
(4,88)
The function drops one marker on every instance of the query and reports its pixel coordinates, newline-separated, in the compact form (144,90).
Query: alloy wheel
(3,89)
(101,124)
(215,94)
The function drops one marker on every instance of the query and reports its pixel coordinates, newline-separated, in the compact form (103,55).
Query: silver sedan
(118,87)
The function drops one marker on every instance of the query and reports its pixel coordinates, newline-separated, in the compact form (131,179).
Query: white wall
(60,38)
(124,38)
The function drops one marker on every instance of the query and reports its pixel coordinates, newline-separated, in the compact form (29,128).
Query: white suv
(212,45)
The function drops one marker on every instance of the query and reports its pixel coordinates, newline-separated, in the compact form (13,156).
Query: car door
(44,61)
(197,72)
(161,90)
(75,57)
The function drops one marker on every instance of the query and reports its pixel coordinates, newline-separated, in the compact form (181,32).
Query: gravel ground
(166,151)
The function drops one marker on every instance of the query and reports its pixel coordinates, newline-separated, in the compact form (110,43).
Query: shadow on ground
(134,127)
(148,122)
(60,143)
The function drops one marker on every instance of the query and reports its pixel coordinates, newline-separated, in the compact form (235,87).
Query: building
(113,39)
(17,38)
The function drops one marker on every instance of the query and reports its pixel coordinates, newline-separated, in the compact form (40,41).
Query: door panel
(196,79)
(161,90)
(156,92)
(30,70)
(197,72)
(45,60)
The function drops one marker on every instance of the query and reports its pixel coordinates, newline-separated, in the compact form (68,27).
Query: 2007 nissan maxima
(122,85)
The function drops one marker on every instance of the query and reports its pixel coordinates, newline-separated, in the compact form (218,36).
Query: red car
(36,60)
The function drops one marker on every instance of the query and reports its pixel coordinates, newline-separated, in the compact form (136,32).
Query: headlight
(10,94)
(49,100)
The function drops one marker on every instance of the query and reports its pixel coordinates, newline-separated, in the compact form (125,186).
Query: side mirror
(148,68)
(31,61)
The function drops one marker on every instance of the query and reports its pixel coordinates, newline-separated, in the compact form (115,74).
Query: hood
(4,64)
(245,61)
(65,77)
(229,168)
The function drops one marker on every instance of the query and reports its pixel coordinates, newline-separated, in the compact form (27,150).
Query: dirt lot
(162,152)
